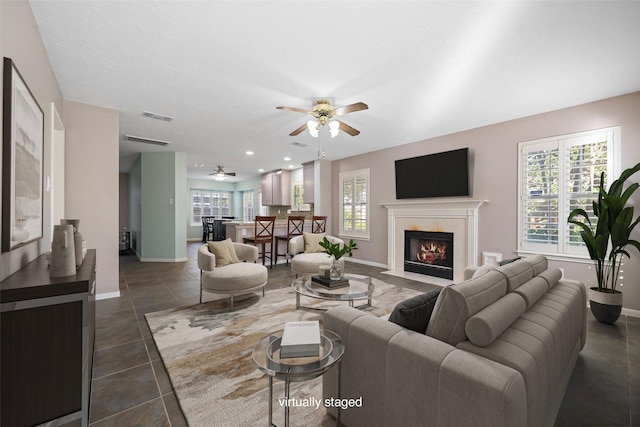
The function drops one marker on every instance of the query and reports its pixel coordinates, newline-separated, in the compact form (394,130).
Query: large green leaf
(615,224)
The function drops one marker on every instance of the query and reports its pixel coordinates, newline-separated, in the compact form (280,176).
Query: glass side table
(266,357)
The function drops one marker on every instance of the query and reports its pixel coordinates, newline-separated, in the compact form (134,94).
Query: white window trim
(365,235)
(559,252)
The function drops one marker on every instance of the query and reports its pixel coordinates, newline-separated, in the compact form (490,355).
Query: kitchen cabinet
(47,333)
(276,188)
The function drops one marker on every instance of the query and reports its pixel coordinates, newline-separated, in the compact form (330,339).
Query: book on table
(300,339)
(330,283)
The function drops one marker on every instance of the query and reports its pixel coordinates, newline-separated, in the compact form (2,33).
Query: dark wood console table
(47,333)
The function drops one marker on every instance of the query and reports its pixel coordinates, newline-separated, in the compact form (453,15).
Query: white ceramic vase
(77,239)
(63,254)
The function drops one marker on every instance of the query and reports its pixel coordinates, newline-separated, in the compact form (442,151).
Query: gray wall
(494,154)
(20,40)
(163,235)
(91,187)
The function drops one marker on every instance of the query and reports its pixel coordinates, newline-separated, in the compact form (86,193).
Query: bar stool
(318,224)
(263,234)
(295,227)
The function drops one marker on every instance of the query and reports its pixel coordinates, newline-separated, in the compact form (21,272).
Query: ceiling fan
(219,172)
(323,113)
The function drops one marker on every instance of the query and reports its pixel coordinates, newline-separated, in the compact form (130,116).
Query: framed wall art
(22,161)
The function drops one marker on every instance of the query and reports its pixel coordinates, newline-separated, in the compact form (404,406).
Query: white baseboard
(370,263)
(630,312)
(107,295)
(162,259)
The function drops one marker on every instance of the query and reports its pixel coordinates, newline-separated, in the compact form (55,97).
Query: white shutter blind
(585,160)
(354,188)
(557,175)
(540,180)
(207,203)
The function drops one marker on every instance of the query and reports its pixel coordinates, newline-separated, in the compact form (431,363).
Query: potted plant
(336,251)
(614,226)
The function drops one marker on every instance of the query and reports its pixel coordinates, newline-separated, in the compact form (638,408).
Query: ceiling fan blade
(348,129)
(358,106)
(295,110)
(230,173)
(297,131)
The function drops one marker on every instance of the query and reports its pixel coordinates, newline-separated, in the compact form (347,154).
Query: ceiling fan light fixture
(314,128)
(334,128)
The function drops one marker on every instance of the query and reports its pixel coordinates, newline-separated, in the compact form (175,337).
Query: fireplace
(429,253)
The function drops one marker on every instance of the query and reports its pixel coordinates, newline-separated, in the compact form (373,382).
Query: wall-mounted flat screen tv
(433,175)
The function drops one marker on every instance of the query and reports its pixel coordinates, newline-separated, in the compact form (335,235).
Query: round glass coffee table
(266,357)
(360,288)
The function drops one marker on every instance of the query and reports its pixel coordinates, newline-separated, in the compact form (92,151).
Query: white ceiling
(425,68)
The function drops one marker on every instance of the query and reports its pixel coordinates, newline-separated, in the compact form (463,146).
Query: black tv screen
(434,175)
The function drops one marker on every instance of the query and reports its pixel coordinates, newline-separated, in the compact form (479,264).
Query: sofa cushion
(312,242)
(224,252)
(414,313)
(516,273)
(538,262)
(457,303)
(533,290)
(235,278)
(487,325)
(551,276)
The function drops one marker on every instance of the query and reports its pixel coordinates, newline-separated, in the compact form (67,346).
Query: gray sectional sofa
(499,350)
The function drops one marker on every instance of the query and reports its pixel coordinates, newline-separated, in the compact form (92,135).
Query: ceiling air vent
(146,140)
(157,116)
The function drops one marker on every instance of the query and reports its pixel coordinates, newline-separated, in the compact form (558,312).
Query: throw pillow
(312,242)
(224,252)
(483,270)
(509,261)
(414,313)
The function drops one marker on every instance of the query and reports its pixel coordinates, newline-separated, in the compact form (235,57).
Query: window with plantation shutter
(354,206)
(248,213)
(209,203)
(557,175)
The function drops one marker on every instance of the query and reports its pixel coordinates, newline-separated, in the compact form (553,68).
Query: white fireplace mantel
(459,216)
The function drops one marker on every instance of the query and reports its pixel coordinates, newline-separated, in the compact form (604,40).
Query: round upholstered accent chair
(232,272)
(308,255)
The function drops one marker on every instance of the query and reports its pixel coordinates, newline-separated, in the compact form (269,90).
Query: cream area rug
(207,352)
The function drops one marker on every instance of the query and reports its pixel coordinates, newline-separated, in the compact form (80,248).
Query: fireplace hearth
(429,253)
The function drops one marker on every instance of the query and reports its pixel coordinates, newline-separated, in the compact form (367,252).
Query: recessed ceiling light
(260,170)
(198,165)
(286,159)
(249,153)
(291,166)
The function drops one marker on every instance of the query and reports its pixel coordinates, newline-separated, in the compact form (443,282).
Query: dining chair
(318,224)
(263,235)
(207,228)
(295,227)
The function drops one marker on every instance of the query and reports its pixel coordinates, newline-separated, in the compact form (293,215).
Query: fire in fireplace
(429,253)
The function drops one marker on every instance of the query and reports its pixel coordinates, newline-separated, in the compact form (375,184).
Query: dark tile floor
(131,388)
